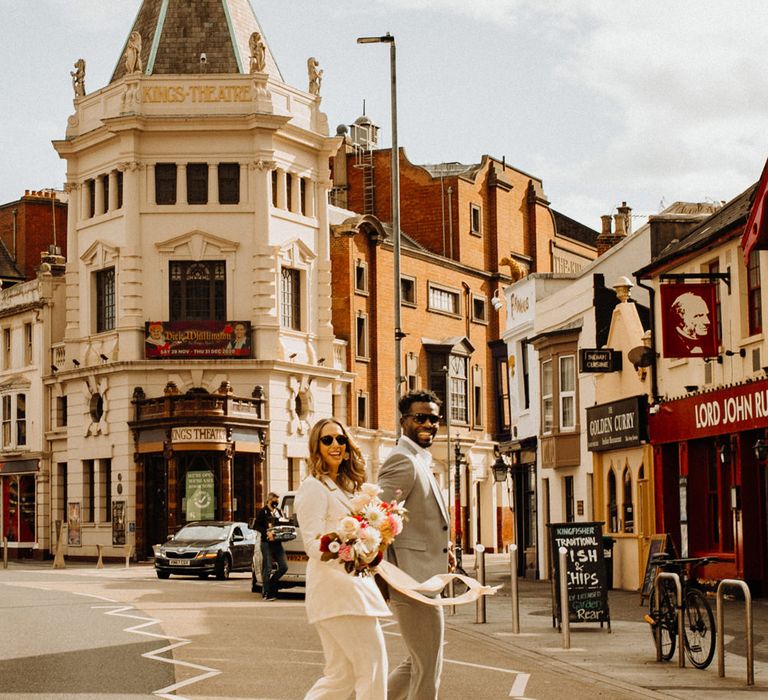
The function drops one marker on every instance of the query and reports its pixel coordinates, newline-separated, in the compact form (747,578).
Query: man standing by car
(421,550)
(271,550)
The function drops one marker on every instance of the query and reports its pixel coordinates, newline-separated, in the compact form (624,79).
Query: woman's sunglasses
(327,440)
(422,418)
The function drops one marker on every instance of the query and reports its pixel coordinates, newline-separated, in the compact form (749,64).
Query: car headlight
(207,554)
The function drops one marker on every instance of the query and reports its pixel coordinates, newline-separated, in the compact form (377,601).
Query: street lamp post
(399,335)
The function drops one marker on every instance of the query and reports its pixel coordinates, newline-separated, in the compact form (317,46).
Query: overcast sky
(645,101)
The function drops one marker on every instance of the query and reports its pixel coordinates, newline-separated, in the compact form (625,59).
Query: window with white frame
(479,309)
(362,409)
(6,348)
(444,300)
(475,219)
(361,337)
(27,343)
(547,404)
(290,298)
(567,392)
(198,290)
(361,277)
(105,300)
(408,291)
(13,411)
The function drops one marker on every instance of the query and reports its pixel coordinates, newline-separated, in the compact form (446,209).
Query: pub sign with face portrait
(689,320)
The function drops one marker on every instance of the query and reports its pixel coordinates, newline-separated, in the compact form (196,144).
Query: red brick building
(28,227)
(466,231)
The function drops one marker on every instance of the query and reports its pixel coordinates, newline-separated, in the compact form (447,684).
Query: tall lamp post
(399,335)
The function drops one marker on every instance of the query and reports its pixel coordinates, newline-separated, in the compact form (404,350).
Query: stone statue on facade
(132,54)
(258,53)
(315,76)
(78,78)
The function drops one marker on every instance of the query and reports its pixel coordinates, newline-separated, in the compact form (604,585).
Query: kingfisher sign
(729,410)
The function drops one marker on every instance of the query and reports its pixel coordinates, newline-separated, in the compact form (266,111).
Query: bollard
(480,566)
(5,552)
(514,589)
(58,560)
(451,608)
(100,561)
(565,622)
(128,550)
(748,628)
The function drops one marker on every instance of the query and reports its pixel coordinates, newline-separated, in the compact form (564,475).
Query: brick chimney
(608,238)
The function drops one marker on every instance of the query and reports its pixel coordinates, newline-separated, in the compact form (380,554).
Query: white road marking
(518,687)
(122,611)
(486,668)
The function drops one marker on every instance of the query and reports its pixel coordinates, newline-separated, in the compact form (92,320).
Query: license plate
(180,562)
(297,557)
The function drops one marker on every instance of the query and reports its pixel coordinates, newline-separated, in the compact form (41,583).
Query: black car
(206,547)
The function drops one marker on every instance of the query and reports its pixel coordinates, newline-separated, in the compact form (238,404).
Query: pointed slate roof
(175,32)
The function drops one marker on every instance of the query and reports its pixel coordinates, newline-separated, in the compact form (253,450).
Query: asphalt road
(122,633)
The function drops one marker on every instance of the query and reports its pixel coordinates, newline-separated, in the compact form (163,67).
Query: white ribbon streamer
(398,579)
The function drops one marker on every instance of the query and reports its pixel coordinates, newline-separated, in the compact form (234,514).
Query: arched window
(627,505)
(613,509)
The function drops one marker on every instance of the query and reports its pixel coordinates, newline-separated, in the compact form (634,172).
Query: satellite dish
(641,356)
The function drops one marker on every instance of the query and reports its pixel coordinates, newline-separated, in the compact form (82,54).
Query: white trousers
(355,659)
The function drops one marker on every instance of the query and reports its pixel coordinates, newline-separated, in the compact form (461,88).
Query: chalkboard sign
(587,590)
(657,545)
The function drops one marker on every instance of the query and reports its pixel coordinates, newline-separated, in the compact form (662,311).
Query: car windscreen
(202,532)
(288,509)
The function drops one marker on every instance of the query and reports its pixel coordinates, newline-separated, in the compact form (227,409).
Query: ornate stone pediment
(100,254)
(197,245)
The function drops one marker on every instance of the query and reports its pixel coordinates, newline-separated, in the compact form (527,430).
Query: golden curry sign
(196,93)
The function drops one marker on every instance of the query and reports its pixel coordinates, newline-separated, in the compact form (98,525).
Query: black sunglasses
(327,440)
(422,418)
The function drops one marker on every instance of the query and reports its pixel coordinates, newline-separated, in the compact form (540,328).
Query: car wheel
(202,576)
(255,585)
(223,573)
(163,574)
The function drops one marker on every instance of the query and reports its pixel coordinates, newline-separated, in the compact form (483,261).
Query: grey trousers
(423,629)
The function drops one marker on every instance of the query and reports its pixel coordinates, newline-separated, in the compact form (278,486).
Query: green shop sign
(200,498)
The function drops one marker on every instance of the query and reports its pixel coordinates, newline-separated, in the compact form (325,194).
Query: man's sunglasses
(422,418)
(327,440)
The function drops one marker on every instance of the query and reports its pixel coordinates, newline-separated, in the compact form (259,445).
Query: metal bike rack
(679,606)
(738,583)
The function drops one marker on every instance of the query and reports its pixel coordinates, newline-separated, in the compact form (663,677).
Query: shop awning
(20,466)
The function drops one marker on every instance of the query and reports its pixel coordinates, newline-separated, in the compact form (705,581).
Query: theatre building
(708,422)
(196,347)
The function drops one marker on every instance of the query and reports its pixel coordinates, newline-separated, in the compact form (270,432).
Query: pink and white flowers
(362,537)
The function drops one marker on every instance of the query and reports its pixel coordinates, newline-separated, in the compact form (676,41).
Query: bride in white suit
(344,608)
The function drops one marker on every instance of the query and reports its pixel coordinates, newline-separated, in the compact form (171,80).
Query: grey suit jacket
(421,550)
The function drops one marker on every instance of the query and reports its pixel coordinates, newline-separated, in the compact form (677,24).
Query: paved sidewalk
(626,656)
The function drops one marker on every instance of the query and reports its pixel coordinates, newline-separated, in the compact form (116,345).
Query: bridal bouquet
(361,537)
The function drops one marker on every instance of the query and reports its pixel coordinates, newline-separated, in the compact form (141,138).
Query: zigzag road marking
(122,611)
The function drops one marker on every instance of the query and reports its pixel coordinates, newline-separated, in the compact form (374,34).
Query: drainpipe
(15,213)
(652,304)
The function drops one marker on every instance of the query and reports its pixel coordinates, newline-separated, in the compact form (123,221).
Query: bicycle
(699,631)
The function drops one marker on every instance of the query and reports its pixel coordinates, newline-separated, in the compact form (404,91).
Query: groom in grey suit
(421,550)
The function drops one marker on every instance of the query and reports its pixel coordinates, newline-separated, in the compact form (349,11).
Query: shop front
(18,486)
(617,437)
(710,470)
(199,456)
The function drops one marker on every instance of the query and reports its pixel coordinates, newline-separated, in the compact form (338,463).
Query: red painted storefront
(711,486)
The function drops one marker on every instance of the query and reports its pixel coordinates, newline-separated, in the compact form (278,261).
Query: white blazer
(331,591)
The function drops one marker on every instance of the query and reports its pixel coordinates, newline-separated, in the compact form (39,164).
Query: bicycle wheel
(699,629)
(459,587)
(664,626)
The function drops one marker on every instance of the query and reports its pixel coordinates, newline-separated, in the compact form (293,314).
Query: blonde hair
(351,474)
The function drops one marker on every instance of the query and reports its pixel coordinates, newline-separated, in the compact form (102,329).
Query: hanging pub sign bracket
(707,276)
